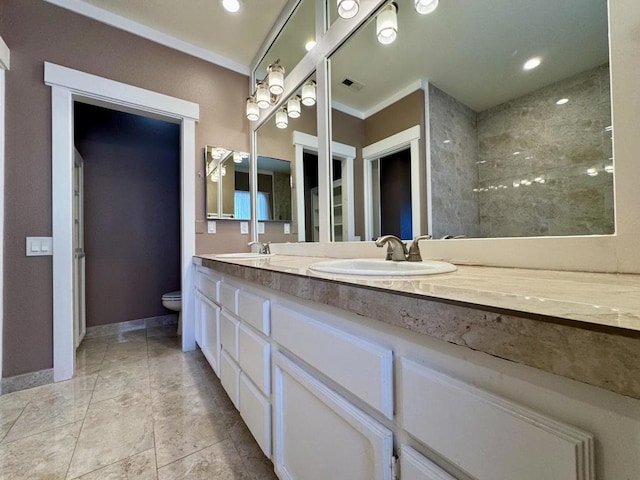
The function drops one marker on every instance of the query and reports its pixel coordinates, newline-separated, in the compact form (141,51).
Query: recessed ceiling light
(516,153)
(532,63)
(309,45)
(562,101)
(231,5)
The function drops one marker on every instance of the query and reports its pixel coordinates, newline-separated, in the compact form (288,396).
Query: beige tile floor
(138,408)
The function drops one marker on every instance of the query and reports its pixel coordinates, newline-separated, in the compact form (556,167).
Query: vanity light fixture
(532,63)
(231,6)
(253,111)
(237,157)
(282,120)
(348,8)
(423,7)
(309,45)
(293,106)
(608,168)
(263,96)
(309,93)
(276,78)
(562,101)
(387,24)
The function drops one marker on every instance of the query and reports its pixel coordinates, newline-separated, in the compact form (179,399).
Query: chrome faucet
(396,249)
(264,247)
(414,249)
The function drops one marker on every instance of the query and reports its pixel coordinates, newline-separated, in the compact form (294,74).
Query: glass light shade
(282,120)
(237,157)
(253,111)
(424,7)
(263,97)
(387,24)
(309,93)
(348,8)
(276,78)
(293,106)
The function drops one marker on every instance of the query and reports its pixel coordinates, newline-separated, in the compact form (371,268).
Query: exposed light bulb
(231,6)
(387,24)
(282,120)
(348,8)
(424,7)
(276,78)
(293,106)
(309,93)
(532,63)
(253,111)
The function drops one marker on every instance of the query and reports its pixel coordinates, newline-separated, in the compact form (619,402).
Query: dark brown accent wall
(36,32)
(131,212)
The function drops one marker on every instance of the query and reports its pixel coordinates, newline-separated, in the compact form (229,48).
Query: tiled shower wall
(541,168)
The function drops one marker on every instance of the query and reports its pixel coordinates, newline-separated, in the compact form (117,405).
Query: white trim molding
(67,86)
(4,65)
(407,138)
(136,28)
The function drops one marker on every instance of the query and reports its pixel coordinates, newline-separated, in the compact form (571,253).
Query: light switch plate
(211,226)
(244,228)
(261,228)
(287,229)
(39,246)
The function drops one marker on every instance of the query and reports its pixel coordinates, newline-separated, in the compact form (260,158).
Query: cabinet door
(319,435)
(230,377)
(255,410)
(198,318)
(414,466)
(210,345)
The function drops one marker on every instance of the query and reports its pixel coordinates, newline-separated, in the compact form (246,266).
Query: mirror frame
(617,252)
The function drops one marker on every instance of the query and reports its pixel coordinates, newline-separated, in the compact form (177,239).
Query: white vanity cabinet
(207,316)
(330,395)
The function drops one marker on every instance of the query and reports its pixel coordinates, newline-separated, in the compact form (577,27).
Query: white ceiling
(203,23)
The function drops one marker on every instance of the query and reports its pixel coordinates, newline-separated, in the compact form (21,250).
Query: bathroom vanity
(482,373)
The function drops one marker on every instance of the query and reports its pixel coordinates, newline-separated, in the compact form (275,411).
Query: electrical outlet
(244,228)
(261,228)
(211,226)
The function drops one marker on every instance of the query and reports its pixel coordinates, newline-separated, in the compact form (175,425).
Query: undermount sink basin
(375,266)
(245,255)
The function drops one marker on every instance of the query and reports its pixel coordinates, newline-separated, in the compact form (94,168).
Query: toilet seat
(177,295)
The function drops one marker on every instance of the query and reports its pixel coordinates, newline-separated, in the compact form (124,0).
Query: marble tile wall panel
(281,196)
(533,159)
(454,173)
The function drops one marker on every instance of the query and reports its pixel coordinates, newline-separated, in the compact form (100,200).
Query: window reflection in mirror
(511,151)
(293,42)
(280,139)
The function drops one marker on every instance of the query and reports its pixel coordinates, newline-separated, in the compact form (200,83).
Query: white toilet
(173,301)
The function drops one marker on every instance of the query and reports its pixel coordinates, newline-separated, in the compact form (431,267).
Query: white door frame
(347,153)
(4,65)
(407,138)
(68,85)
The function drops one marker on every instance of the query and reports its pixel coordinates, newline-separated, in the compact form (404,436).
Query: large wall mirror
(227,183)
(476,121)
(283,139)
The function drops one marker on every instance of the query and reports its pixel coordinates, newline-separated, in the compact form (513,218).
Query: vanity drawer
(363,368)
(414,466)
(229,297)
(208,284)
(488,436)
(255,311)
(230,377)
(229,334)
(254,355)
(255,410)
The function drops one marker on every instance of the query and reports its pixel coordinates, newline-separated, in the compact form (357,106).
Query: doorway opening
(392,186)
(129,246)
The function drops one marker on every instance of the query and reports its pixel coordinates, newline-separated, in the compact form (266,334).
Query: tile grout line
(12,425)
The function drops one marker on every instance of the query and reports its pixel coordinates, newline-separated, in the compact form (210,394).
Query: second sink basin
(375,266)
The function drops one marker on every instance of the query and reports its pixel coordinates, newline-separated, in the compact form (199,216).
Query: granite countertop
(597,299)
(582,326)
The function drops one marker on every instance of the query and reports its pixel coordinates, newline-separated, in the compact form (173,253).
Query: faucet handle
(414,249)
(396,249)
(265,248)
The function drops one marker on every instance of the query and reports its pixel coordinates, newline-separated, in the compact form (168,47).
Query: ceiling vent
(352,84)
